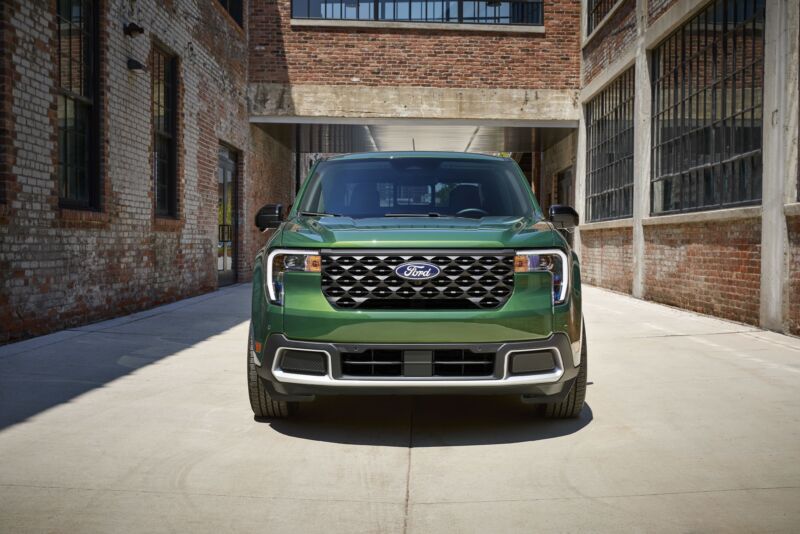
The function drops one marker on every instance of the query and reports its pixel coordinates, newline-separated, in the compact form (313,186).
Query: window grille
(609,129)
(707,110)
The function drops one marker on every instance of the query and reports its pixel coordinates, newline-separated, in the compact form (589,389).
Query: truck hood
(417,232)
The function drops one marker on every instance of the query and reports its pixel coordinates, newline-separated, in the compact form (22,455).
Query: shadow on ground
(425,421)
(58,369)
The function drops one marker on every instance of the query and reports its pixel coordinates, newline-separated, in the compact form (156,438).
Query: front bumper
(547,386)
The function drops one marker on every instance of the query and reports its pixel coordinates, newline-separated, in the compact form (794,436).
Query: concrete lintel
(609,74)
(269,102)
(730,214)
(392,25)
(680,12)
(607,225)
(380,121)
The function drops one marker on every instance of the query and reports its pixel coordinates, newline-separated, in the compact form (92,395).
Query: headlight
(280,261)
(553,261)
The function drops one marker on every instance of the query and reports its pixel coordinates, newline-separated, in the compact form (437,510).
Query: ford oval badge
(417,270)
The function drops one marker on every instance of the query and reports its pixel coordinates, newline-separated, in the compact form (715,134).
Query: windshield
(418,186)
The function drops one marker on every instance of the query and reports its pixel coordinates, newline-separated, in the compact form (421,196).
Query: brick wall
(60,268)
(612,40)
(792,296)
(281,53)
(607,258)
(270,180)
(712,268)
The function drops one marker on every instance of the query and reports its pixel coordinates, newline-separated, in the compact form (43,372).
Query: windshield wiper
(317,214)
(430,214)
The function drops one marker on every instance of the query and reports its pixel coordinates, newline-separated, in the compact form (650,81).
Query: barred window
(518,12)
(77,111)
(164,89)
(598,9)
(609,135)
(707,110)
(234,8)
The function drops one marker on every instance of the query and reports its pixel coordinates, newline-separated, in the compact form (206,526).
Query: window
(164,79)
(234,8)
(419,186)
(78,179)
(524,12)
(707,109)
(609,135)
(598,9)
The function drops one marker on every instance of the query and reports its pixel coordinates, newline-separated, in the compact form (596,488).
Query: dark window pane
(76,48)
(707,80)
(526,12)
(609,129)
(164,99)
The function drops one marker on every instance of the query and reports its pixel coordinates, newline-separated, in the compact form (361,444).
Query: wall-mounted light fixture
(132,29)
(135,64)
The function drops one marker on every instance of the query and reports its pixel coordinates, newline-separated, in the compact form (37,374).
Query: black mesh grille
(466,281)
(446,362)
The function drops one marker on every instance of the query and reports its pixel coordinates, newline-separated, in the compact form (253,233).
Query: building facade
(687,155)
(137,139)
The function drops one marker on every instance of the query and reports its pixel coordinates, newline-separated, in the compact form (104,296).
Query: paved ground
(142,424)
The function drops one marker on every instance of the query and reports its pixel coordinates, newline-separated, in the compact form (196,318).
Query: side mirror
(269,216)
(563,217)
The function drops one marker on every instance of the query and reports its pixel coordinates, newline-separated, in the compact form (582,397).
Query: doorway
(226,217)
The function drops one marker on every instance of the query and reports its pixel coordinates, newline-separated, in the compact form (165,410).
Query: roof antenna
(413,145)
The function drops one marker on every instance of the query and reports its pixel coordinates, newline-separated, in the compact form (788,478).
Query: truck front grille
(441,363)
(466,281)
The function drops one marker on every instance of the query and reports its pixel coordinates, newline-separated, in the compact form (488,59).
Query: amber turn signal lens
(258,346)
(313,264)
(520,264)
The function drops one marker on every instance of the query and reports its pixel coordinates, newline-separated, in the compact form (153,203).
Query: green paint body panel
(307,315)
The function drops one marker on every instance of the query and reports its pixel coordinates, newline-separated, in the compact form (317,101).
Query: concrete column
(641,149)
(580,180)
(777,107)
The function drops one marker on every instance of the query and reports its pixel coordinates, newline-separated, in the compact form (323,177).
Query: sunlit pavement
(142,424)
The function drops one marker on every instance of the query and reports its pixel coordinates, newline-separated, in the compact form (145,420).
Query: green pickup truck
(416,273)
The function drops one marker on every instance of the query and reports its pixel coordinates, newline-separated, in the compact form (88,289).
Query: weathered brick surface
(792,297)
(61,267)
(607,258)
(613,39)
(656,8)
(712,268)
(281,53)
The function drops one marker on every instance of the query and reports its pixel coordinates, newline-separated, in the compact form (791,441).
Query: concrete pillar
(580,179)
(641,149)
(778,111)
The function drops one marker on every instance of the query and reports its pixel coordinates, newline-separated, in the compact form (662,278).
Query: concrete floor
(142,424)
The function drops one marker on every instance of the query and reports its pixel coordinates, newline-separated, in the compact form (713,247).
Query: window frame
(596,12)
(376,12)
(91,102)
(236,13)
(168,136)
(609,150)
(733,177)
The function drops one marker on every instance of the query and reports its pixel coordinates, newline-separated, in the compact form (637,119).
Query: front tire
(262,404)
(572,405)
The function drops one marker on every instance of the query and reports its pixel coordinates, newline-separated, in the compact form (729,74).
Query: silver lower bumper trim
(507,379)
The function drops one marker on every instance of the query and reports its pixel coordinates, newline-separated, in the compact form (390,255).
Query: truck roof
(415,154)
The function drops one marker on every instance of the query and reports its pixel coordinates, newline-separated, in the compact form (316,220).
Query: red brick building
(137,140)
